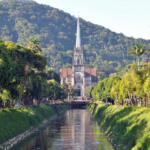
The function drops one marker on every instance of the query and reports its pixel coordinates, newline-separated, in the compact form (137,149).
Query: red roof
(66,72)
(91,71)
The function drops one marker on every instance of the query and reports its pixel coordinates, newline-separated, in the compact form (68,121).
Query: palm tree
(137,50)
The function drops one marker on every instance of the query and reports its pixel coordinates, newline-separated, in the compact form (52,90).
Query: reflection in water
(74,131)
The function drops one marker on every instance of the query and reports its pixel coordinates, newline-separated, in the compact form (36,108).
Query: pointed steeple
(78,38)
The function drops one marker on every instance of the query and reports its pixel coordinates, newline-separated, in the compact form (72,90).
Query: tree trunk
(138,63)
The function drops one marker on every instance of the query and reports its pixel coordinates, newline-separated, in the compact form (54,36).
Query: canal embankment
(127,128)
(18,123)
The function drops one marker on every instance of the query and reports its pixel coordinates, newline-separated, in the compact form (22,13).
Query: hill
(103,49)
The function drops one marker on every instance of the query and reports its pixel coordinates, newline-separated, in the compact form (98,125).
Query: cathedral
(79,77)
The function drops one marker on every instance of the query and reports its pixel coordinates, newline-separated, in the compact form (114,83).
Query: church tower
(78,69)
(78,76)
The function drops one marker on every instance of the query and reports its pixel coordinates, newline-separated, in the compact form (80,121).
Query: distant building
(79,77)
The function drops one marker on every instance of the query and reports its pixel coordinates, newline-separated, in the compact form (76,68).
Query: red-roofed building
(79,77)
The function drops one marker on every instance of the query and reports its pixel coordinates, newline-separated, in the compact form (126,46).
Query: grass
(128,127)
(16,120)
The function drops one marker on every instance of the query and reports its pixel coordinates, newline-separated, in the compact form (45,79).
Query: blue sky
(130,17)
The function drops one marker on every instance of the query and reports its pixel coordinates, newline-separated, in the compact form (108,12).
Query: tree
(52,74)
(131,86)
(34,44)
(137,50)
(55,91)
(115,90)
(146,87)
(102,91)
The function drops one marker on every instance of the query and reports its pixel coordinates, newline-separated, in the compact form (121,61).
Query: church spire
(78,38)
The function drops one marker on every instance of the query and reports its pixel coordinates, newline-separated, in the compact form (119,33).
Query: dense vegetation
(103,49)
(17,120)
(24,76)
(132,87)
(127,127)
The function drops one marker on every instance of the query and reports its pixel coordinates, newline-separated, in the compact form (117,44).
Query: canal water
(75,130)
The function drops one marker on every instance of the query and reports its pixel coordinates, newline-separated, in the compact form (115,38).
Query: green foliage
(25,64)
(17,120)
(132,83)
(104,49)
(137,50)
(127,127)
(55,91)
(102,90)
(131,87)
(34,44)
(128,69)
(23,75)
(114,92)
(147,88)
(52,75)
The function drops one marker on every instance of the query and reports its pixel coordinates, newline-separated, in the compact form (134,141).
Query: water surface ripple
(75,130)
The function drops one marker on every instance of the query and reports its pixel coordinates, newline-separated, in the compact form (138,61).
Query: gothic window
(78,79)
(79,69)
(75,81)
(78,61)
(69,79)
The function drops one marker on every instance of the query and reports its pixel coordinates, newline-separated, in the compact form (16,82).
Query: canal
(74,130)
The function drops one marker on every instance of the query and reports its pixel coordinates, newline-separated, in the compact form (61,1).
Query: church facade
(79,77)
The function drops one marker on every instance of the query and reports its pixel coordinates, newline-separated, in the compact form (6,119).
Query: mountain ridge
(103,48)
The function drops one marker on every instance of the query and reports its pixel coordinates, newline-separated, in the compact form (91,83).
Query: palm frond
(131,53)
